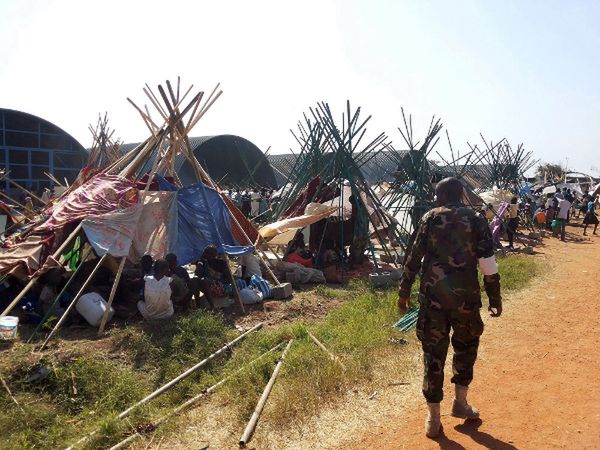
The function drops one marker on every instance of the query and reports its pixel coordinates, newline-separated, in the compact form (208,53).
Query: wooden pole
(188,372)
(236,291)
(322,347)
(249,431)
(29,285)
(12,396)
(113,291)
(174,381)
(60,294)
(194,399)
(72,304)
(25,190)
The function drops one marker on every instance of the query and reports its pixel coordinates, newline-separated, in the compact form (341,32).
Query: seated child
(157,302)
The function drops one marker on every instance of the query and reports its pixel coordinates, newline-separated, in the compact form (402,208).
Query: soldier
(449,243)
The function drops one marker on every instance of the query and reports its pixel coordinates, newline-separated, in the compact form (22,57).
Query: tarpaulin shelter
(121,217)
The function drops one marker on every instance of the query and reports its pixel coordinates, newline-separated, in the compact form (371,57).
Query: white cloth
(254,203)
(563,208)
(157,302)
(252,265)
(488,266)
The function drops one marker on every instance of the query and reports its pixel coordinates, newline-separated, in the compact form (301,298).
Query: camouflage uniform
(446,248)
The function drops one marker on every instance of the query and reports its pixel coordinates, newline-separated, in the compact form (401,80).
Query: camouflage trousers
(433,330)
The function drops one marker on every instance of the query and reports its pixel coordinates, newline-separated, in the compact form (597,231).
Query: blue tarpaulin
(202,219)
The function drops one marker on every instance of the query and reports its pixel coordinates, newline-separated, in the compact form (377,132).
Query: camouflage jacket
(446,247)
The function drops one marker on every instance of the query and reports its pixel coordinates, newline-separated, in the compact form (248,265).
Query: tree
(550,171)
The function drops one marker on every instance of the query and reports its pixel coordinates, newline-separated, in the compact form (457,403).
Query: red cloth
(245,224)
(99,195)
(296,258)
(306,196)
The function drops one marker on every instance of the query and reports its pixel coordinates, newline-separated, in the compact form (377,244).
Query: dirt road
(537,379)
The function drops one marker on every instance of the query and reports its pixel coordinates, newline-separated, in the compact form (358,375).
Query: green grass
(143,356)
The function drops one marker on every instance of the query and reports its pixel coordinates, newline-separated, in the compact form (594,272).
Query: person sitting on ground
(157,302)
(180,284)
(146,263)
(590,216)
(51,281)
(299,255)
(250,266)
(212,274)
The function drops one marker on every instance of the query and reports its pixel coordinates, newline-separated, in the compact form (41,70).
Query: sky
(527,71)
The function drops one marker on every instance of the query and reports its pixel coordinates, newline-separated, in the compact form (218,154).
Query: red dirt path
(537,378)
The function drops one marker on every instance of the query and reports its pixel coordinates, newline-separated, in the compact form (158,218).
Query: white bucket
(92,306)
(8,327)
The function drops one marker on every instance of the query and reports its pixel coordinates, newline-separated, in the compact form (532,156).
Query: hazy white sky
(525,70)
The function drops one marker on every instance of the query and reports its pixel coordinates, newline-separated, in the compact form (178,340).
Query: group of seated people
(163,286)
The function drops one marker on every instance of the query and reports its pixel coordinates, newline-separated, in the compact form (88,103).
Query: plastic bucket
(8,327)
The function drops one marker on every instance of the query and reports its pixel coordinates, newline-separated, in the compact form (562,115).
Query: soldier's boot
(433,424)
(460,407)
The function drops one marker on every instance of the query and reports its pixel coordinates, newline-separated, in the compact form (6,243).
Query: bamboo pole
(188,372)
(29,285)
(113,291)
(322,347)
(11,395)
(174,381)
(72,304)
(249,431)
(12,200)
(64,289)
(236,291)
(24,189)
(194,399)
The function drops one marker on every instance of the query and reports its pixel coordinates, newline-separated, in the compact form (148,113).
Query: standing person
(246,205)
(513,221)
(562,214)
(449,244)
(583,205)
(549,212)
(590,216)
(29,209)
(254,202)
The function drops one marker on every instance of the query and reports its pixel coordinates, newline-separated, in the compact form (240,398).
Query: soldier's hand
(403,303)
(495,311)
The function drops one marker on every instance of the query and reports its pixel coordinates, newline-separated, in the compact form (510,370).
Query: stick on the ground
(10,393)
(322,347)
(193,400)
(174,381)
(249,431)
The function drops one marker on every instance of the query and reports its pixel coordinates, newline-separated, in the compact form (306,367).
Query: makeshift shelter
(130,207)
(327,171)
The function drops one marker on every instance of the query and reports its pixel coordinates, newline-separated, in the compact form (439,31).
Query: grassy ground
(89,384)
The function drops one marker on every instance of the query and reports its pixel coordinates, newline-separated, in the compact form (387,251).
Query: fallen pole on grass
(11,395)
(174,381)
(193,400)
(322,347)
(249,431)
